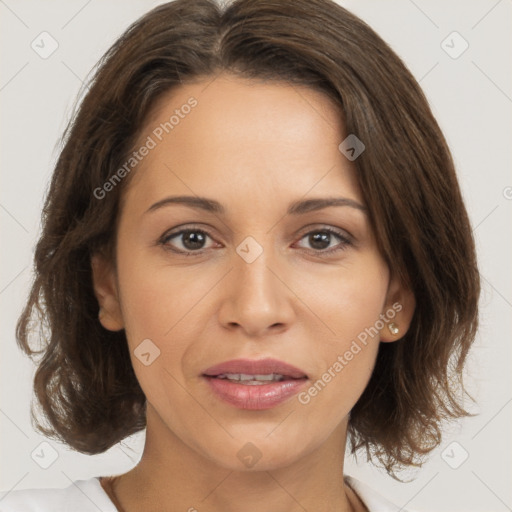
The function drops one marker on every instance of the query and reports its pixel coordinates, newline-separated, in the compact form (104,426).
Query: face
(257,277)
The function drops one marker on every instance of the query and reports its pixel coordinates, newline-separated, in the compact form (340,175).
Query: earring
(393,328)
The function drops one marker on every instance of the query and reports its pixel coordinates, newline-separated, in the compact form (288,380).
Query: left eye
(193,240)
(321,239)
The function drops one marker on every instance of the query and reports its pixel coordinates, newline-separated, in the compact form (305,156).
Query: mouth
(255,371)
(255,384)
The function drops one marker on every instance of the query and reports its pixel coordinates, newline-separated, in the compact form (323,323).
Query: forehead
(257,138)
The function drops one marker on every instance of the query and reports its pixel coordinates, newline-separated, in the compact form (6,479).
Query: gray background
(471,96)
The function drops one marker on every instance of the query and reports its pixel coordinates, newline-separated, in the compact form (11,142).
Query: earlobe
(398,311)
(105,289)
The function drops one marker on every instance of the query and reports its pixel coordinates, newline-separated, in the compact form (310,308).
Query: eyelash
(344,241)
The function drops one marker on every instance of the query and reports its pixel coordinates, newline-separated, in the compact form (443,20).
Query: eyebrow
(296,208)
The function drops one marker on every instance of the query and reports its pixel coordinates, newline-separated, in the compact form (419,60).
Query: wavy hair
(87,392)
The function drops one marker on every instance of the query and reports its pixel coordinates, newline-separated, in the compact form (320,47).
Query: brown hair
(85,384)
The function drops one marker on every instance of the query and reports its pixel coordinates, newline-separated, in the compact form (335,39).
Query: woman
(255,248)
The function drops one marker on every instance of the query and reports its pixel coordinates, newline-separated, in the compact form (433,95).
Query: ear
(398,311)
(105,288)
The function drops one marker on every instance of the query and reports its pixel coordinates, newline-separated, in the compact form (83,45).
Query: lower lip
(257,396)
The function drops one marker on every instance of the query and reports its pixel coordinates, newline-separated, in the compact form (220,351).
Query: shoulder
(79,496)
(371,498)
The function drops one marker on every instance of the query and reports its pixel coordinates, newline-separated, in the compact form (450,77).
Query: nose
(257,299)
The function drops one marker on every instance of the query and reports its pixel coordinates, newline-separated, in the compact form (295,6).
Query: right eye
(191,240)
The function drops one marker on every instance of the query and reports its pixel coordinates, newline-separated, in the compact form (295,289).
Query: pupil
(321,238)
(193,240)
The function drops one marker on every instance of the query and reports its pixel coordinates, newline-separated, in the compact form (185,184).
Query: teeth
(249,379)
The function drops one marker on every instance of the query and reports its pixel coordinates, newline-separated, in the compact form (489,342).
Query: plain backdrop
(471,96)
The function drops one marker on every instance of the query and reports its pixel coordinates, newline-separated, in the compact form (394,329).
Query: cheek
(349,308)
(157,306)
(168,306)
(347,300)
(156,300)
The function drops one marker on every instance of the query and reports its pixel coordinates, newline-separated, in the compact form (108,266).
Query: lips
(255,384)
(256,367)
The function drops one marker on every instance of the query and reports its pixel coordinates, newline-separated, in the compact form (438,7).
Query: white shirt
(89,496)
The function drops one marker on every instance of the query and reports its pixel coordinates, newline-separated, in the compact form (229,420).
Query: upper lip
(256,367)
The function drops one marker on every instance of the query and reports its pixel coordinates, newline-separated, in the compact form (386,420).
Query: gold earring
(393,328)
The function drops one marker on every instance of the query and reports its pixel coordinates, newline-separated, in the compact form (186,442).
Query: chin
(256,455)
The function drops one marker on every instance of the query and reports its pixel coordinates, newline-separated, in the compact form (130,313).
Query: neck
(172,473)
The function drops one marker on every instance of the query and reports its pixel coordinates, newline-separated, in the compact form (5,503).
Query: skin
(254,147)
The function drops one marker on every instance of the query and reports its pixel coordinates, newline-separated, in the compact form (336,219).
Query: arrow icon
(454,455)
(352,147)
(147,352)
(249,252)
(44,44)
(454,45)
(44,455)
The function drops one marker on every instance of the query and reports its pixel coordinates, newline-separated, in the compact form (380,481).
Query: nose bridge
(257,298)
(253,263)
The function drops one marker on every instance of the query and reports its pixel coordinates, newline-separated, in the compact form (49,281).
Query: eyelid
(326,227)
(178,230)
